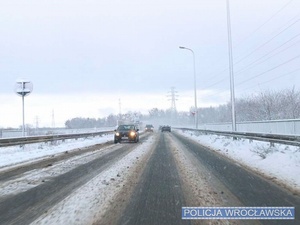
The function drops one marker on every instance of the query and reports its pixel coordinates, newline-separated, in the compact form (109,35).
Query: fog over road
(172,172)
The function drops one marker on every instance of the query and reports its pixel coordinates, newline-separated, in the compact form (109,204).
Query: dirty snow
(281,162)
(36,177)
(96,196)
(16,154)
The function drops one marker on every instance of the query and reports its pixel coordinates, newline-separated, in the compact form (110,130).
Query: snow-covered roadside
(36,177)
(281,162)
(89,203)
(15,154)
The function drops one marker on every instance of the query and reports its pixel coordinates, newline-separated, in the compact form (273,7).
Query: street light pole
(23,117)
(23,88)
(231,68)
(195,88)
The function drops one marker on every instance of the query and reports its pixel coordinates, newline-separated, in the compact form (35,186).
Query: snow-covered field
(280,163)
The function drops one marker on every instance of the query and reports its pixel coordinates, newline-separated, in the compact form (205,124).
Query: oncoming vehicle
(126,132)
(149,128)
(165,128)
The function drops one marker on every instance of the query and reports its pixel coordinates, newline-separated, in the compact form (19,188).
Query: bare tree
(292,100)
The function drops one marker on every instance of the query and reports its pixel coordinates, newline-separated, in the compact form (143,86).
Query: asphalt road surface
(175,172)
(249,188)
(24,207)
(164,186)
(158,197)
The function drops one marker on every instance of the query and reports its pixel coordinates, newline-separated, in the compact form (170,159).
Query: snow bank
(89,203)
(281,162)
(16,154)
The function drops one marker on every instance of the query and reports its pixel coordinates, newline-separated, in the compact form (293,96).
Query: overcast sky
(83,56)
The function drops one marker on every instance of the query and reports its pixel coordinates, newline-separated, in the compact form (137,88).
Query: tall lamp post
(231,68)
(195,88)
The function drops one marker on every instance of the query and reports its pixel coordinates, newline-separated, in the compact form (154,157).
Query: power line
(218,82)
(257,62)
(280,30)
(251,78)
(268,20)
(221,92)
(275,78)
(269,70)
(267,42)
(258,49)
(262,25)
(249,65)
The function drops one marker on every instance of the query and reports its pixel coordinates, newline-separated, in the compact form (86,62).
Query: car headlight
(132,133)
(117,134)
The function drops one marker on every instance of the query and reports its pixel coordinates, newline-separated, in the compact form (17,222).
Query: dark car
(165,128)
(149,128)
(128,132)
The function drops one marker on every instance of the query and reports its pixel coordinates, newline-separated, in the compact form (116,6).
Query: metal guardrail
(272,138)
(5,142)
(282,127)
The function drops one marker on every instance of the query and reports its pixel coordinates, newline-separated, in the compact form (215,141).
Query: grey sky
(117,49)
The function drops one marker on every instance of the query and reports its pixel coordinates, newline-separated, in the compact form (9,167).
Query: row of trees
(268,105)
(84,123)
(109,121)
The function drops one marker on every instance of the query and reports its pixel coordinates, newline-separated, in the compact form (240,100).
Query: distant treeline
(108,121)
(267,105)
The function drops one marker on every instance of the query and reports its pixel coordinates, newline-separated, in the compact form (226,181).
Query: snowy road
(183,173)
(144,183)
(45,187)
